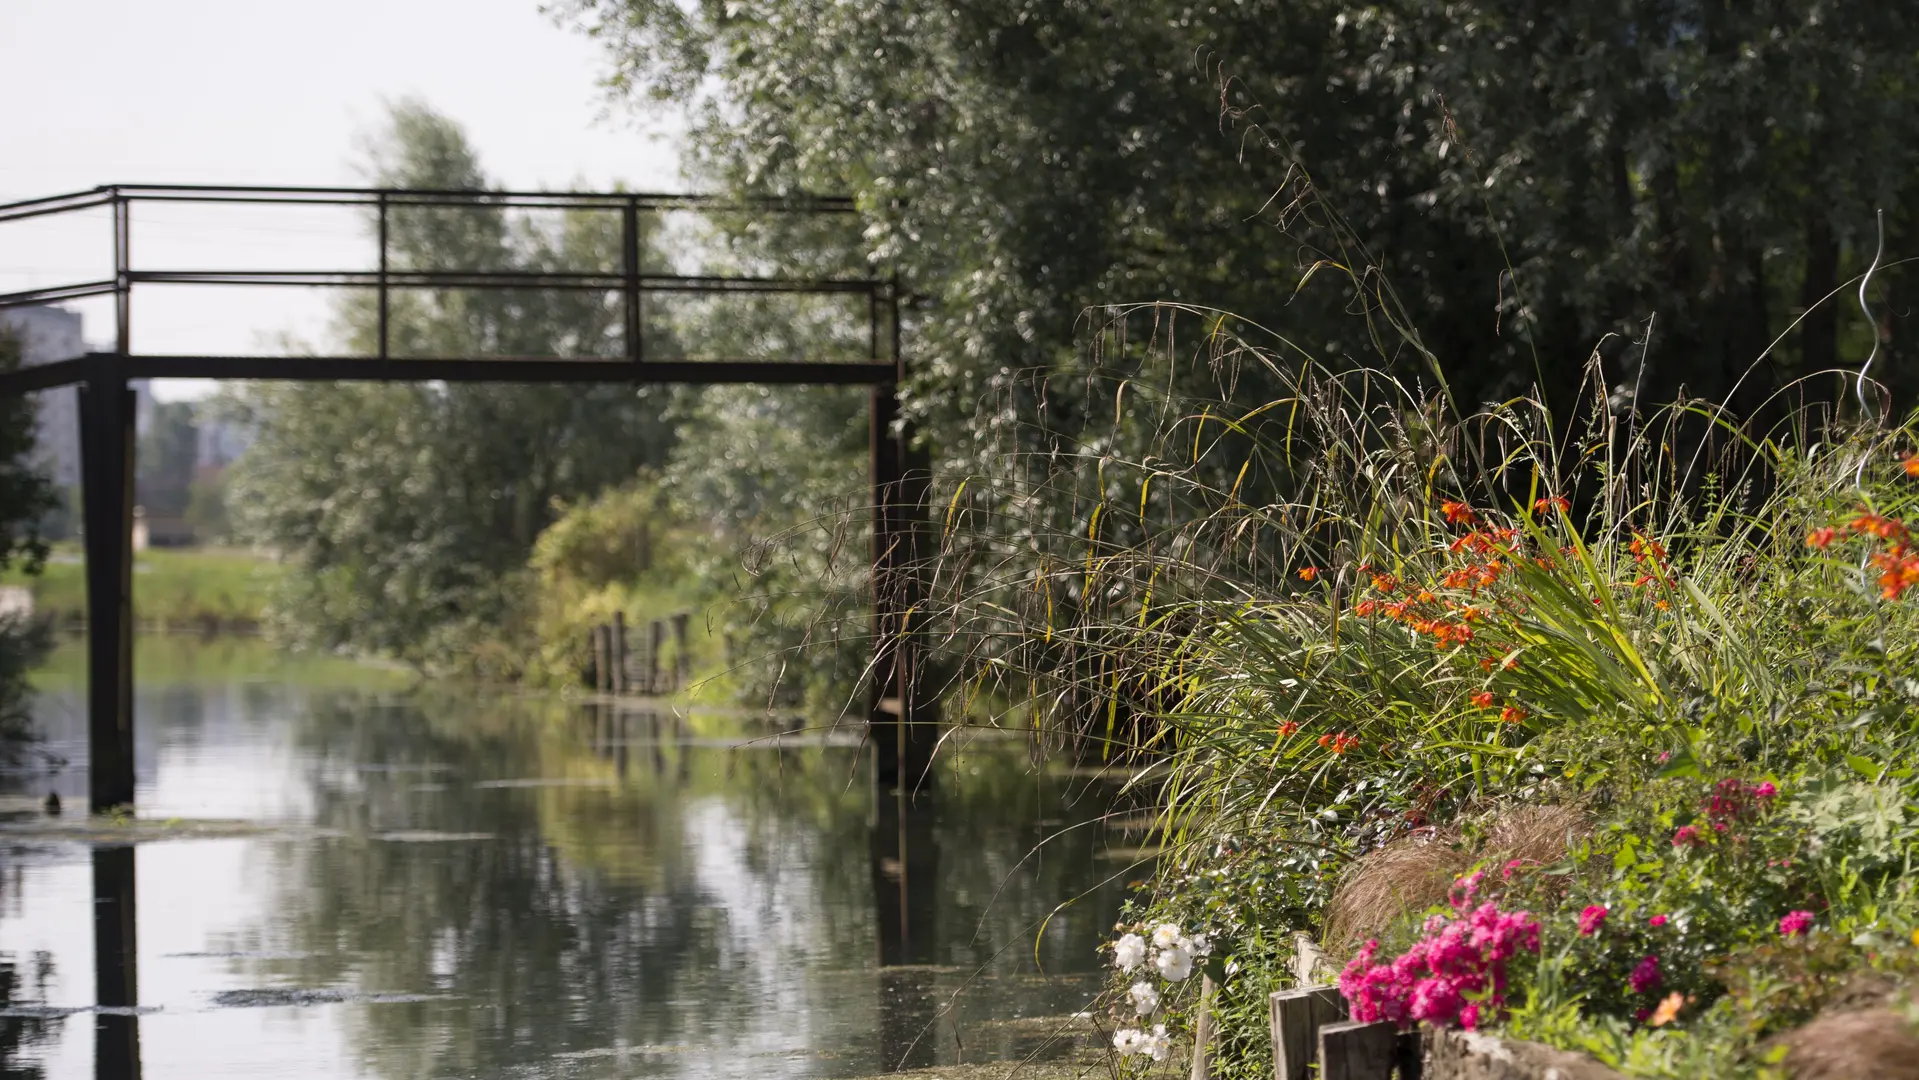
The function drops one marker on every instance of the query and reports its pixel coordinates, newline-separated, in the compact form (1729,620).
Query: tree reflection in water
(652,894)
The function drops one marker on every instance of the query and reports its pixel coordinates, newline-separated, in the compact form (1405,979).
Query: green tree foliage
(1523,180)
(26,498)
(168,451)
(411,508)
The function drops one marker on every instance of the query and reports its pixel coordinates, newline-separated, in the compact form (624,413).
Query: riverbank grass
(212,589)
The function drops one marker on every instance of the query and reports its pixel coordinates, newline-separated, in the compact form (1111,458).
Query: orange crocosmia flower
(1365,608)
(1662,605)
(1287,729)
(1554,502)
(1899,571)
(1456,512)
(1910,463)
(1511,714)
(1822,537)
(1425,597)
(1385,582)
(1308,573)
(1483,699)
(1644,580)
(1884,528)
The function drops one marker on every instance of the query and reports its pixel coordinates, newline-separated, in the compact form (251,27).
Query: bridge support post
(106,465)
(902,721)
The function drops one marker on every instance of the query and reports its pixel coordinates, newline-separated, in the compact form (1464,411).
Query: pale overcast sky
(276,92)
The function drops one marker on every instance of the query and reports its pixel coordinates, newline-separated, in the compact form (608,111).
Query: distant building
(48,334)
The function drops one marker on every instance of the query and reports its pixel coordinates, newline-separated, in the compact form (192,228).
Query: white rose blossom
(1157,1045)
(1129,952)
(1127,1041)
(1144,998)
(1173,964)
(1167,936)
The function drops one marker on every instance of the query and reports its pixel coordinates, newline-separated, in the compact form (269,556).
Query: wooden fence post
(1297,1016)
(1203,1032)
(619,652)
(603,659)
(1355,1050)
(682,660)
(656,641)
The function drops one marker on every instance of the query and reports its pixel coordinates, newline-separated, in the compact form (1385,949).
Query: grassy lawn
(195,587)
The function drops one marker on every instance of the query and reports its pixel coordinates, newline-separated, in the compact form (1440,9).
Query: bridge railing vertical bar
(122,274)
(630,286)
(385,306)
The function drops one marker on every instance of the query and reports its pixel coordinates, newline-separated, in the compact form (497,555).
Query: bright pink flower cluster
(1591,919)
(1445,976)
(1794,923)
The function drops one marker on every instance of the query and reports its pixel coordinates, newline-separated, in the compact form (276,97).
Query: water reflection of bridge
(860,345)
(644,745)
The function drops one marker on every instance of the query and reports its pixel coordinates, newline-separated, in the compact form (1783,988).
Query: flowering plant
(1168,952)
(1454,974)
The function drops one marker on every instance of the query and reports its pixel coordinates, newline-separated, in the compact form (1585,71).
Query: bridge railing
(529,286)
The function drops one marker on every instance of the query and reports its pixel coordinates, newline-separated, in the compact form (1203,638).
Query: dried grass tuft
(1415,873)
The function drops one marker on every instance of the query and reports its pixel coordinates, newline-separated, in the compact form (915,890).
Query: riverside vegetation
(1601,738)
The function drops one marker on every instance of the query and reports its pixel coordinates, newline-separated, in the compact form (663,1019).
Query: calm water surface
(443,883)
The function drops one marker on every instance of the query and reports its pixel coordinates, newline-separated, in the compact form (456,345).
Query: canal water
(337,873)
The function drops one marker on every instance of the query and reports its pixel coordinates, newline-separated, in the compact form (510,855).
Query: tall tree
(410,508)
(26,498)
(1534,181)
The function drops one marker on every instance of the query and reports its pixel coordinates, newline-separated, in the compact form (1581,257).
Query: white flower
(1144,998)
(1157,1045)
(1200,944)
(1167,936)
(1129,952)
(1128,1041)
(1173,964)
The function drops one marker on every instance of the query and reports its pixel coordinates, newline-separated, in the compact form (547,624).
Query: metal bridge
(899,719)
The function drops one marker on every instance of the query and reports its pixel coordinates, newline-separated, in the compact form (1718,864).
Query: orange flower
(1899,571)
(1511,714)
(1288,729)
(1668,1010)
(1365,608)
(1910,462)
(1385,582)
(1338,743)
(1483,699)
(1554,502)
(1643,548)
(1884,528)
(1457,512)
(1822,537)
(1308,573)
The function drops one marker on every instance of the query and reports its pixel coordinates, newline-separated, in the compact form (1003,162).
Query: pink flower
(1795,923)
(1764,791)
(1511,869)
(1591,919)
(1686,836)
(1645,976)
(1469,1016)
(1656,921)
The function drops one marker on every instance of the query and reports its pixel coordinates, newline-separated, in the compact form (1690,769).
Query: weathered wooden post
(656,641)
(619,652)
(1354,1050)
(682,659)
(603,659)
(1297,1016)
